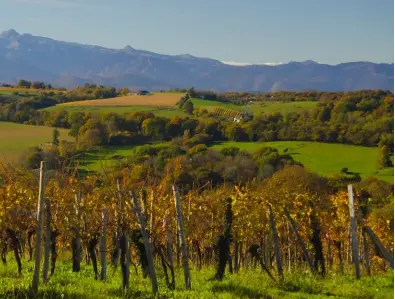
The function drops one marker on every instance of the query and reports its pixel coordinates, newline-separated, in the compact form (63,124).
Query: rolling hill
(69,64)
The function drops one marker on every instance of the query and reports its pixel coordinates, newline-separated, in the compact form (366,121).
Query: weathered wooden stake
(329,252)
(39,230)
(47,239)
(355,255)
(123,240)
(76,242)
(276,243)
(236,252)
(300,240)
(289,248)
(147,246)
(169,242)
(366,253)
(384,251)
(184,246)
(151,219)
(103,245)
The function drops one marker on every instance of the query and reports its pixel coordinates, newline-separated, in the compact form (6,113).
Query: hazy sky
(254,31)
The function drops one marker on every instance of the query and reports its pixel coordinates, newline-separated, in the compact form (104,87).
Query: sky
(236,31)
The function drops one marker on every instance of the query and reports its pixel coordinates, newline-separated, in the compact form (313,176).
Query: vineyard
(225,112)
(291,223)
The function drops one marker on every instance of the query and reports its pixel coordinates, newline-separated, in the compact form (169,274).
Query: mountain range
(67,64)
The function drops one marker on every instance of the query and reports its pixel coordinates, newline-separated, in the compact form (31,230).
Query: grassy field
(16,138)
(257,108)
(248,283)
(105,156)
(324,158)
(284,108)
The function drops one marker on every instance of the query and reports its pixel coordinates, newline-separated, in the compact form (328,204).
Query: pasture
(104,157)
(324,158)
(155,100)
(16,138)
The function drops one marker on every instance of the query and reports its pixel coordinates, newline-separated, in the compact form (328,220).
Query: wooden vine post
(168,242)
(354,239)
(123,240)
(39,228)
(184,246)
(76,242)
(47,239)
(275,241)
(366,253)
(300,240)
(103,245)
(376,241)
(147,246)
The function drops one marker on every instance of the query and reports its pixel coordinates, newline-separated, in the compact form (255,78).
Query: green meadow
(16,138)
(322,158)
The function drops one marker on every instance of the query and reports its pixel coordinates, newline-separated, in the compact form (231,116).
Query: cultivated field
(16,138)
(156,99)
(168,112)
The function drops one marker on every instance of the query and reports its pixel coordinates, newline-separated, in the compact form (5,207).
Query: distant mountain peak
(11,33)
(128,48)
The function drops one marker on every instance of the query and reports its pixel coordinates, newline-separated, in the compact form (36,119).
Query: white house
(237,119)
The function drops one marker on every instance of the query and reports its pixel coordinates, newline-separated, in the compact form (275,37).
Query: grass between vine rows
(248,283)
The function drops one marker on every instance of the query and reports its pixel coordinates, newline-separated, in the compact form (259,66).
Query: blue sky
(253,31)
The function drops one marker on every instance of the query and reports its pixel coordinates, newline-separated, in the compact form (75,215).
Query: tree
(188,107)
(24,83)
(154,127)
(55,136)
(124,91)
(384,159)
(191,92)
(236,133)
